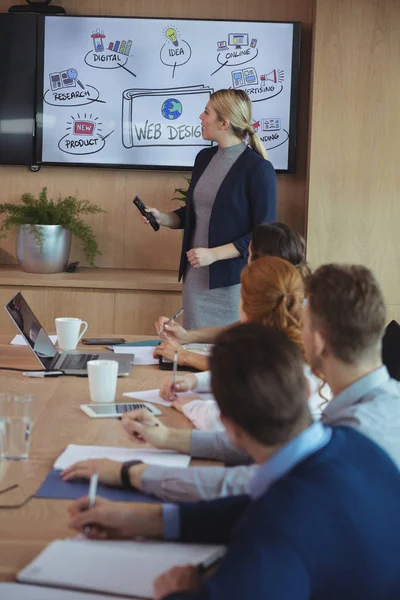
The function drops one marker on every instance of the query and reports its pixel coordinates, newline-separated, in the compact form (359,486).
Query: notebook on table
(126,568)
(19,591)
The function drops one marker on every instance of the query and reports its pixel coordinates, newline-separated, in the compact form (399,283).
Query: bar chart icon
(121,47)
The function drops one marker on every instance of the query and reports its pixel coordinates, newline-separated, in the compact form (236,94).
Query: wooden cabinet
(123,301)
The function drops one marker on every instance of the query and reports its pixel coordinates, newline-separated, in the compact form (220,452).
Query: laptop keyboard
(77,361)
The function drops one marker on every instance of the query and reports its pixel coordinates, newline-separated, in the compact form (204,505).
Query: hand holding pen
(161,324)
(186,578)
(94,480)
(174,370)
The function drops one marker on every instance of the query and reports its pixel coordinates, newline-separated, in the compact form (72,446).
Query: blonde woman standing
(232,190)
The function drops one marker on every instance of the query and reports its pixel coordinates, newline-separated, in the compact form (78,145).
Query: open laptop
(71,362)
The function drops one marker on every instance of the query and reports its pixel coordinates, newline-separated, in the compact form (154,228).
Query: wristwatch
(126,482)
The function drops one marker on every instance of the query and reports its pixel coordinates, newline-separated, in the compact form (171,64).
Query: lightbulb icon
(171,35)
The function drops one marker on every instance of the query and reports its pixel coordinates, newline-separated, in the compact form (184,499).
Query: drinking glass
(15,426)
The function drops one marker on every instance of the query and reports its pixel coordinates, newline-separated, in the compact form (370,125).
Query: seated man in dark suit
(321,520)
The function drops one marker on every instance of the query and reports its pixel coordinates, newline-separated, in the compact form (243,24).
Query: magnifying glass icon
(73,74)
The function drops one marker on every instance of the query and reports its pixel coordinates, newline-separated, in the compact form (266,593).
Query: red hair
(273,295)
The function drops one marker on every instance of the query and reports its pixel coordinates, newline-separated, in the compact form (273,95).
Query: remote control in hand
(149,216)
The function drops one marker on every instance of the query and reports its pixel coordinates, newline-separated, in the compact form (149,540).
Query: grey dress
(205,307)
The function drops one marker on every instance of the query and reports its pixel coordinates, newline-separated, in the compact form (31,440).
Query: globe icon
(171,109)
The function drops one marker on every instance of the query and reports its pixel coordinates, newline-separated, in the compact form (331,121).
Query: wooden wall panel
(124,242)
(94,306)
(393,312)
(137,311)
(354,195)
(106,312)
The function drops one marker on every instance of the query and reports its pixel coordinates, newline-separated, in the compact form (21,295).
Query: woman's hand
(142,426)
(168,349)
(171,332)
(201,257)
(179,403)
(166,219)
(109,471)
(145,428)
(154,211)
(115,520)
(177,579)
(183,383)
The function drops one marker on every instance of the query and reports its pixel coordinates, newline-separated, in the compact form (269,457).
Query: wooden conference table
(57,422)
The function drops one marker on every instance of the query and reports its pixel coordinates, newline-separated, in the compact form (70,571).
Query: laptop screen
(31,329)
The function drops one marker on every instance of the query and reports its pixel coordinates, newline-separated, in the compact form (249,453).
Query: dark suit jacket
(328,530)
(246,198)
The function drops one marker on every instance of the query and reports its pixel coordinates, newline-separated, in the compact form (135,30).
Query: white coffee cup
(102,380)
(69,332)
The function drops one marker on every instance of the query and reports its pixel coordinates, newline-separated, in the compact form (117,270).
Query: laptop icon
(37,339)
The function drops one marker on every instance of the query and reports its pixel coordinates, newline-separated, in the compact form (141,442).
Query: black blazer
(246,198)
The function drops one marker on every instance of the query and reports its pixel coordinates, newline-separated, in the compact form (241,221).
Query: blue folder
(54,487)
(142,343)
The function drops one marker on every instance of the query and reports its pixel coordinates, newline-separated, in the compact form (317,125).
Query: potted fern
(182,192)
(44,229)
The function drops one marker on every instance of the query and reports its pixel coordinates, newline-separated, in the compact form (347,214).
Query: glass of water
(15,426)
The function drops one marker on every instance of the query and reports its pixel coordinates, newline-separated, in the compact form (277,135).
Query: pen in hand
(174,370)
(92,496)
(175,316)
(212,561)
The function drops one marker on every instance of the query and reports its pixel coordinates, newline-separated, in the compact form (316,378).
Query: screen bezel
(293,111)
(25,152)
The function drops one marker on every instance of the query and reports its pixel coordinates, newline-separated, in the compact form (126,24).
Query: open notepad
(22,591)
(166,458)
(114,567)
(143,354)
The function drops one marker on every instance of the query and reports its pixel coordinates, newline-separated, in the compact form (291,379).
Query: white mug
(69,332)
(102,380)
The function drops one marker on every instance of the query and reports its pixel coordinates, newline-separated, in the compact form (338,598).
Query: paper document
(153,396)
(166,458)
(126,568)
(19,340)
(143,354)
(18,591)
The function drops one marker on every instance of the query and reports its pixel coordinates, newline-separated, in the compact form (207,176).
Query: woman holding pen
(272,294)
(232,190)
(269,239)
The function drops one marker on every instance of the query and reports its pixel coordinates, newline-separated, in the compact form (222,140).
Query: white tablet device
(103,411)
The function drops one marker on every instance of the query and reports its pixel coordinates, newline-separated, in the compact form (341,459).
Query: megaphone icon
(275,75)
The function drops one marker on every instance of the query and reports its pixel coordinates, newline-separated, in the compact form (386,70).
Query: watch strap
(126,482)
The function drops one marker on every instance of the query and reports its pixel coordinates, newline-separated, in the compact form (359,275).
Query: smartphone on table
(103,341)
(116,410)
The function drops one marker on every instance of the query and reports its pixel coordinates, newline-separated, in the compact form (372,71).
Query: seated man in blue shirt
(320,520)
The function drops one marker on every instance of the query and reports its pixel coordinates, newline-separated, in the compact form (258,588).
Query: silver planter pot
(54,254)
